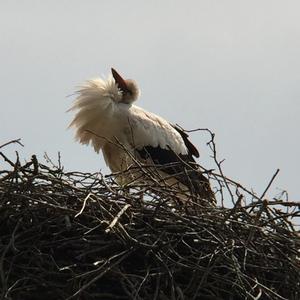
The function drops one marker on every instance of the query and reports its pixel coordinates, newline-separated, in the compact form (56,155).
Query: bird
(107,118)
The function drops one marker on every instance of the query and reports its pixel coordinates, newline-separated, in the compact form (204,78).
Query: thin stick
(268,186)
(17,141)
(117,217)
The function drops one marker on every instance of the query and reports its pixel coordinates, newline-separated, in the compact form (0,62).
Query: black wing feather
(191,148)
(182,167)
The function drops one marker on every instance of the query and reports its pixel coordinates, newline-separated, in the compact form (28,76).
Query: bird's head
(97,101)
(128,88)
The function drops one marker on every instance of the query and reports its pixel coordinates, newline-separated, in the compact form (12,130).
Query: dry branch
(72,235)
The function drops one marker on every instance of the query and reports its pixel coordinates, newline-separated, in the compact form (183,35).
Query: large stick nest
(72,235)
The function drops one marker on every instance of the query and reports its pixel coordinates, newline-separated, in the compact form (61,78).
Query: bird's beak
(119,81)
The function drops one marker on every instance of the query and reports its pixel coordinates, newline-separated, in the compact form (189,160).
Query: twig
(17,141)
(269,184)
(117,217)
(83,205)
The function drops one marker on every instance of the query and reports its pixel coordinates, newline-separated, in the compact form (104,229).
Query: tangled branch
(73,235)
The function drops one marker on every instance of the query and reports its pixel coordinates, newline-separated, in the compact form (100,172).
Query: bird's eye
(127,92)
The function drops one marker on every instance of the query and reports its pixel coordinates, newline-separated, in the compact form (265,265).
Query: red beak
(119,81)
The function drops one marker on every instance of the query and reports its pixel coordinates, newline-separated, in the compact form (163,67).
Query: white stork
(107,118)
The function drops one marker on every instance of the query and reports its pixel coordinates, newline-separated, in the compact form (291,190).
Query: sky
(230,66)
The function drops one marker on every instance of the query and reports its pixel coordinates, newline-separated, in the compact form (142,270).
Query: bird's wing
(168,147)
(192,150)
(147,129)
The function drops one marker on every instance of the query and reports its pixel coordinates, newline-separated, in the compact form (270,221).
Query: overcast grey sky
(232,66)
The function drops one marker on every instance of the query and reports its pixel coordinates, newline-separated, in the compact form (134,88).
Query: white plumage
(107,119)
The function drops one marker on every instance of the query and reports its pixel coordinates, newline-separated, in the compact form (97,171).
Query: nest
(72,235)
